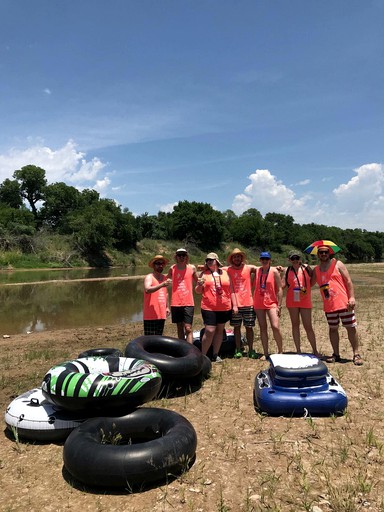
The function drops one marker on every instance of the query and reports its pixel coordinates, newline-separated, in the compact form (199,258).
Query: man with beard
(338,296)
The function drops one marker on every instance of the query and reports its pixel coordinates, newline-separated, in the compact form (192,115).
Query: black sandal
(334,358)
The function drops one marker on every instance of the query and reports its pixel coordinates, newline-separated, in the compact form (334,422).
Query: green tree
(247,228)
(89,196)
(282,227)
(60,200)
(32,185)
(126,235)
(376,240)
(146,225)
(162,228)
(10,193)
(229,218)
(93,228)
(356,247)
(16,220)
(197,223)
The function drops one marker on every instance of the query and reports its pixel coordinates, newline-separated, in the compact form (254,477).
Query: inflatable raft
(101,382)
(298,385)
(30,416)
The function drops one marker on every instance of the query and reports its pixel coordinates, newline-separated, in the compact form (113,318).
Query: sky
(269,104)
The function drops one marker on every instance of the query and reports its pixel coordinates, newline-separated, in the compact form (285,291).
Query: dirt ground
(245,461)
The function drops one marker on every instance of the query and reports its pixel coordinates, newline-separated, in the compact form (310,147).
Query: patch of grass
(112,437)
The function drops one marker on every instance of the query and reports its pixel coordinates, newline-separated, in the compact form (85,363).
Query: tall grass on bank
(56,251)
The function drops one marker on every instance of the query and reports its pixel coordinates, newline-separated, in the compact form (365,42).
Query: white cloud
(359,203)
(304,182)
(268,194)
(168,208)
(48,91)
(102,185)
(65,164)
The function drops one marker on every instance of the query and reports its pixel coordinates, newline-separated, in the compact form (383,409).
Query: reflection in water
(49,306)
(70,304)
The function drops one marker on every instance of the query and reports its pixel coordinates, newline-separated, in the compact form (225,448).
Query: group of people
(240,293)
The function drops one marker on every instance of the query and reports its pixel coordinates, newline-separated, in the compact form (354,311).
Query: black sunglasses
(264,259)
(181,255)
(323,252)
(162,263)
(294,258)
(209,259)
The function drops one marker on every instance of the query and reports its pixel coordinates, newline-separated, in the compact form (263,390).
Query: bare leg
(188,333)
(335,340)
(295,321)
(275,324)
(353,339)
(306,317)
(237,334)
(250,336)
(218,338)
(180,331)
(262,319)
(206,341)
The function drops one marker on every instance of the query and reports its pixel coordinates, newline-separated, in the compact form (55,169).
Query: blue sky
(275,105)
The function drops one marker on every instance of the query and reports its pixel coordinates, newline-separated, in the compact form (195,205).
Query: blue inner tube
(101,382)
(145,446)
(174,358)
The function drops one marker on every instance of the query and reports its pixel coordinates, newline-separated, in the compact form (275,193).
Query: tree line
(29,205)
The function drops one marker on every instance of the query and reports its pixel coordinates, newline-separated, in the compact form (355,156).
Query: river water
(57,299)
(64,299)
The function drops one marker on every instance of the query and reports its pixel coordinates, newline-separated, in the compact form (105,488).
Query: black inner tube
(172,356)
(103,352)
(145,446)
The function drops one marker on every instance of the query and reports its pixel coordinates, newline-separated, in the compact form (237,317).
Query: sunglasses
(323,252)
(264,259)
(209,259)
(159,263)
(181,255)
(295,258)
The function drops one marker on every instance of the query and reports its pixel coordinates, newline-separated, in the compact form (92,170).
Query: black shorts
(182,314)
(215,317)
(153,327)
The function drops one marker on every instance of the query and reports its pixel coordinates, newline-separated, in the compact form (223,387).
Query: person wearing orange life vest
(241,276)
(338,296)
(156,302)
(183,275)
(216,303)
(297,281)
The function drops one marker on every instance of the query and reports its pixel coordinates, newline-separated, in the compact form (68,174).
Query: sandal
(334,358)
(357,360)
